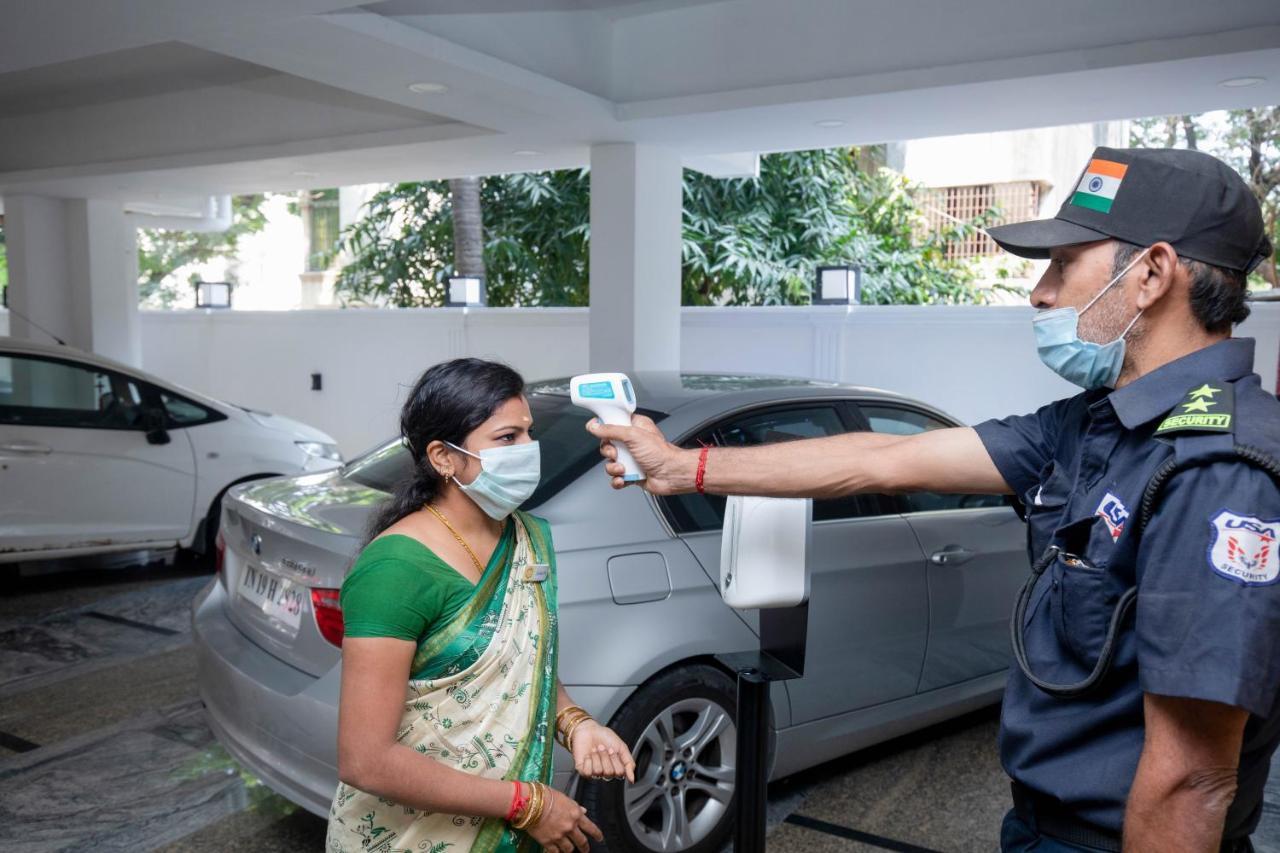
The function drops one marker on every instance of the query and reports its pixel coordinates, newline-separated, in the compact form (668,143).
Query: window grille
(320,215)
(1012,202)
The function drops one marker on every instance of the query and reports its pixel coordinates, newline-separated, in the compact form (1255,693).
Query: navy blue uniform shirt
(1207,620)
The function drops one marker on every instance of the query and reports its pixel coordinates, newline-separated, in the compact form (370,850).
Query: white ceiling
(163,100)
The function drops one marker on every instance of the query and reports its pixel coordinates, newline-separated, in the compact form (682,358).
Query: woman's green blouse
(399,588)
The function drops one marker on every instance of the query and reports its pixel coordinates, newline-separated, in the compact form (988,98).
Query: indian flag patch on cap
(1098,187)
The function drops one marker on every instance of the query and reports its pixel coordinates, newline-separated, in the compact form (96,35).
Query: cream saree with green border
(481,699)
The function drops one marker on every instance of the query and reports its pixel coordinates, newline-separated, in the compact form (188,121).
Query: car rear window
(568,451)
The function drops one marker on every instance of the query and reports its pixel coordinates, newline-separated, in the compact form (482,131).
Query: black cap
(1191,200)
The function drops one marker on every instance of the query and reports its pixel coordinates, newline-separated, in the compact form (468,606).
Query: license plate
(277,598)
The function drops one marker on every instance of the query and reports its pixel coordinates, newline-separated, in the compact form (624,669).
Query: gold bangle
(568,720)
(572,723)
(567,717)
(532,809)
(535,814)
(568,736)
(570,710)
(573,718)
(543,808)
(536,817)
(540,804)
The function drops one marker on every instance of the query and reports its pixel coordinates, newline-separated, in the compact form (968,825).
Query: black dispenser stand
(783,639)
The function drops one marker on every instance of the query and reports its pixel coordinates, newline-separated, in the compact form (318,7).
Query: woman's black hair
(447,402)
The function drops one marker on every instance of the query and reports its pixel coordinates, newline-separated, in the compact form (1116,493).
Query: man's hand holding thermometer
(635,450)
(609,397)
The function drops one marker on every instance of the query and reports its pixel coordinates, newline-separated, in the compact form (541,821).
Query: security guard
(1142,713)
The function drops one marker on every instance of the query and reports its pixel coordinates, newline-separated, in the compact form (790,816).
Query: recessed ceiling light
(526,152)
(302,173)
(1242,82)
(829,122)
(428,88)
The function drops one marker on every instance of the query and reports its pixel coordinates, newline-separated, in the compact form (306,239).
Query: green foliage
(758,241)
(4,263)
(746,241)
(162,252)
(535,242)
(1247,140)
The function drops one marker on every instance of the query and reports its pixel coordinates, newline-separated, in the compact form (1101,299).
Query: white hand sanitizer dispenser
(609,397)
(763,552)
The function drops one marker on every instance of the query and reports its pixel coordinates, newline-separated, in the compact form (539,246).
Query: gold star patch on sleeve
(1209,407)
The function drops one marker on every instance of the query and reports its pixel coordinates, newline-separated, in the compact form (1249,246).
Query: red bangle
(517,802)
(702,469)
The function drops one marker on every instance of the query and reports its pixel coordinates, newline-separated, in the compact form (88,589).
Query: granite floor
(102,746)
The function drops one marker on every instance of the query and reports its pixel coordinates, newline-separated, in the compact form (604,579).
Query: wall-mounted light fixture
(837,285)
(213,294)
(466,291)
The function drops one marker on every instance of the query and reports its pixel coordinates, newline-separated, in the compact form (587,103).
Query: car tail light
(219,554)
(328,610)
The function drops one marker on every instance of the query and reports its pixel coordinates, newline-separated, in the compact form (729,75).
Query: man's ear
(1159,272)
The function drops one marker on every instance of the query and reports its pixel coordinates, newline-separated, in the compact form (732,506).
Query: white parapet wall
(974,362)
(367,359)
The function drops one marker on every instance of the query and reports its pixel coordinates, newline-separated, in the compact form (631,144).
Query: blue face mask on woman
(508,476)
(1081,362)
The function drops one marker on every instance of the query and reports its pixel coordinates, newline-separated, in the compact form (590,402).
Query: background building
(1021,174)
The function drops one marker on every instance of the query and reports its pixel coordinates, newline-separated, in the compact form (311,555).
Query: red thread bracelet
(702,469)
(517,802)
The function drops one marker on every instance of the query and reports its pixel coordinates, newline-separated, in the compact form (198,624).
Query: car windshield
(568,451)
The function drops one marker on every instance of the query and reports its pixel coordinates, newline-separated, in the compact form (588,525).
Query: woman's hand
(599,753)
(668,469)
(564,826)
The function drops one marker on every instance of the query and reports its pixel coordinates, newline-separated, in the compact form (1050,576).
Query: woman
(450,699)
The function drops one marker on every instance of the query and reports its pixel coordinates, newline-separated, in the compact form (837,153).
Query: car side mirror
(155,422)
(764,551)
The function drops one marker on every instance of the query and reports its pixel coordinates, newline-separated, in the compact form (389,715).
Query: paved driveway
(102,746)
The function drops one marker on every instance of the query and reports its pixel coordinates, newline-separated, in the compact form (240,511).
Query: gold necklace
(458,536)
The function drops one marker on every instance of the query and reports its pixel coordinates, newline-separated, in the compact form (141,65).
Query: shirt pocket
(1043,504)
(1084,591)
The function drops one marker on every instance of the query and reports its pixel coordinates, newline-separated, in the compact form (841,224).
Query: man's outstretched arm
(945,460)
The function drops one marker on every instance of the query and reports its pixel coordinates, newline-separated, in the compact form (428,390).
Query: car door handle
(952,555)
(24,447)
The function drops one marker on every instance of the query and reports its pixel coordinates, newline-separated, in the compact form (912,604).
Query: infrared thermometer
(609,397)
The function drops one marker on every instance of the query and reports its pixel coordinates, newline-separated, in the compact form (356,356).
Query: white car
(97,457)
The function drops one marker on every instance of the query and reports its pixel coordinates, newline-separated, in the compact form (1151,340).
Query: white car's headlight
(320,450)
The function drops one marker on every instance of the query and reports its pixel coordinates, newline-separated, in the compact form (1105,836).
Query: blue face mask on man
(508,477)
(1081,362)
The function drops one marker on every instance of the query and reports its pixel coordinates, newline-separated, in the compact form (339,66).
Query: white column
(73,272)
(635,258)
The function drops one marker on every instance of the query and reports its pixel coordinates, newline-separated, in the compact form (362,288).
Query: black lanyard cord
(1105,658)
(1155,486)
(1150,498)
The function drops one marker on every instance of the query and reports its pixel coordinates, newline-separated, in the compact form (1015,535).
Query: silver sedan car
(910,599)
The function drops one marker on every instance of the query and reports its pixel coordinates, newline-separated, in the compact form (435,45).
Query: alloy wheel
(684,775)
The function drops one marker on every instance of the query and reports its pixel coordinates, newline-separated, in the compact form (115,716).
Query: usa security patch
(1114,513)
(1243,548)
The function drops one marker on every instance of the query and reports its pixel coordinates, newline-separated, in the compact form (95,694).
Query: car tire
(201,554)
(681,729)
